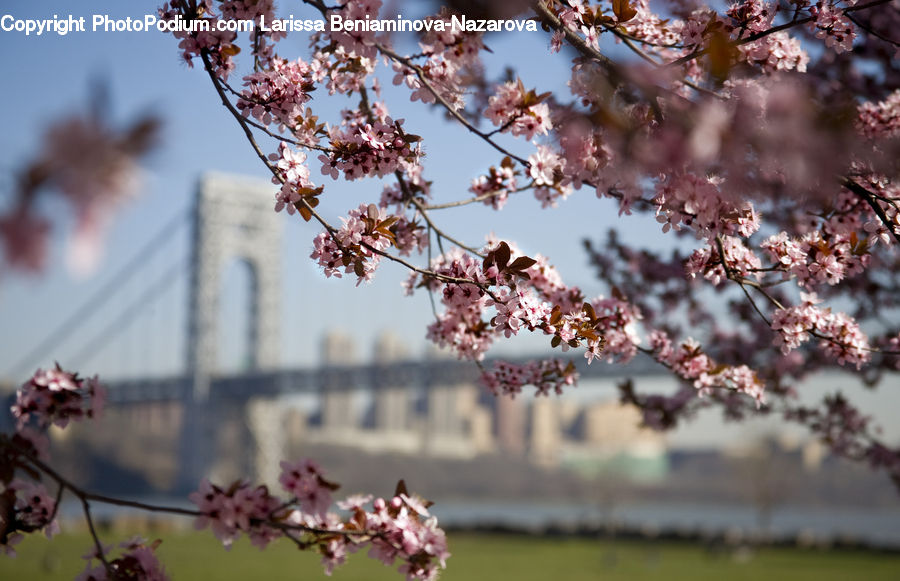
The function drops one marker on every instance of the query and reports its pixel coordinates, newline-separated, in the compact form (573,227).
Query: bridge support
(339,414)
(233,218)
(392,397)
(265,418)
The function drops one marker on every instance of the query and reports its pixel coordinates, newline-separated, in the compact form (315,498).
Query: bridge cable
(98,299)
(121,322)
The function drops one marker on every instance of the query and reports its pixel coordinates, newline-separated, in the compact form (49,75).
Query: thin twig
(475,199)
(866,196)
(99,545)
(439,232)
(616,73)
(423,78)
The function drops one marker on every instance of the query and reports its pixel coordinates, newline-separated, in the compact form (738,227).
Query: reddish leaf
(623,10)
(522,262)
(501,255)
(722,55)
(230,50)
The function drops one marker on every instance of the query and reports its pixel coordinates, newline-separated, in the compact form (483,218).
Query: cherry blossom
(240,508)
(546,376)
(518,111)
(304,481)
(32,509)
(137,561)
(56,397)
(24,238)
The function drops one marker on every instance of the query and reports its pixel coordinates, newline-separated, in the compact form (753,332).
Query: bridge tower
(233,218)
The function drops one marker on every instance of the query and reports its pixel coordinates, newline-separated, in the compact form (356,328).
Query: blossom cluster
(24,237)
(814,260)
(840,335)
(278,95)
(585,153)
(695,30)
(689,200)
(358,42)
(217,44)
(461,326)
(738,261)
(833,26)
(400,528)
(94,168)
(56,397)
(354,248)
(363,147)
(296,191)
(449,55)
(546,169)
(547,375)
(52,397)
(29,508)
(507,293)
(495,187)
(880,120)
(775,53)
(305,482)
(240,508)
(137,561)
(343,60)
(518,111)
(198,27)
(688,361)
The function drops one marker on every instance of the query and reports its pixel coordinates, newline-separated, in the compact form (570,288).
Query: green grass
(475,557)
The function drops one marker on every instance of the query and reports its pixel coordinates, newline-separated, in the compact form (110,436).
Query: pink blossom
(34,508)
(549,375)
(238,509)
(56,397)
(137,561)
(509,110)
(24,238)
(304,481)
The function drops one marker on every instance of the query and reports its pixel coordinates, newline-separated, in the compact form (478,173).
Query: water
(877,526)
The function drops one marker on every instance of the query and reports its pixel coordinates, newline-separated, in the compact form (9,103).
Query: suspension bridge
(430,404)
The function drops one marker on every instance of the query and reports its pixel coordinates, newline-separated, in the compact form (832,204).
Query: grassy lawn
(475,557)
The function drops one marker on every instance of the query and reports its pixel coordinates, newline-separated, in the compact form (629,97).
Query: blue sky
(48,77)
(144,73)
